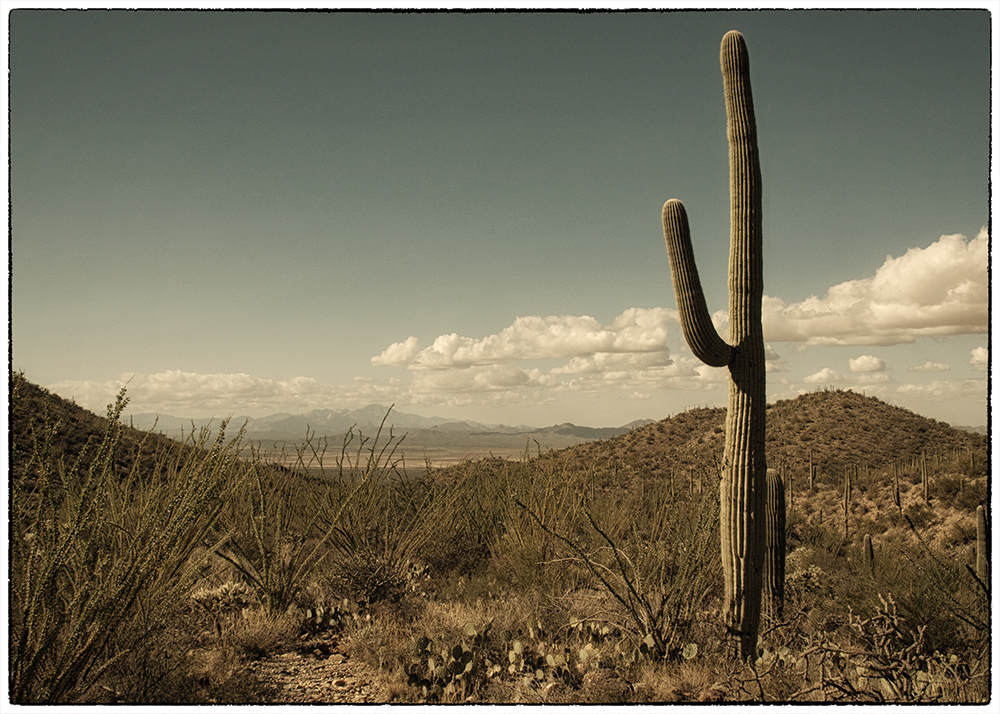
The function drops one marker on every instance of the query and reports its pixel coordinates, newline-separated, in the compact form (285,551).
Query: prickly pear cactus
(744,467)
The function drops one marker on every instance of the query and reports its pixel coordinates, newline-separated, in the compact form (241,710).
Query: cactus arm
(696,324)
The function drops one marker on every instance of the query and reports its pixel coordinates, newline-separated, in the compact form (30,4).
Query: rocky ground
(317,672)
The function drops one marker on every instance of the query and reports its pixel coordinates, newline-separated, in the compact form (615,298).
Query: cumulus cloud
(942,289)
(398,353)
(191,394)
(866,363)
(980,359)
(867,378)
(614,362)
(637,330)
(773,363)
(628,355)
(827,375)
(480,378)
(930,367)
(974,389)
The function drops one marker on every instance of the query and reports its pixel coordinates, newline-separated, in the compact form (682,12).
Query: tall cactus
(982,555)
(743,467)
(775,546)
(847,502)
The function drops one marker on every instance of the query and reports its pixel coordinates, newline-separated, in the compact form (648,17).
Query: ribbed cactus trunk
(775,546)
(743,467)
(982,555)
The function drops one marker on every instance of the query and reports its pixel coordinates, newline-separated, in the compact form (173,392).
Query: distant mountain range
(420,431)
(974,429)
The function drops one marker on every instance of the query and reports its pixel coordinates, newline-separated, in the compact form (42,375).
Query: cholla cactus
(225,602)
(744,467)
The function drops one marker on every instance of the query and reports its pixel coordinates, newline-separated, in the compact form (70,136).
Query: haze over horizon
(244,213)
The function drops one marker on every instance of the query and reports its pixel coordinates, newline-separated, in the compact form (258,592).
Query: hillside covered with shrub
(149,571)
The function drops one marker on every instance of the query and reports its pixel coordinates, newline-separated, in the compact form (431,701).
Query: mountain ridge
(832,429)
(332,422)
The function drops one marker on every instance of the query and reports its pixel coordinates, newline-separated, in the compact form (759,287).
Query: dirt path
(318,672)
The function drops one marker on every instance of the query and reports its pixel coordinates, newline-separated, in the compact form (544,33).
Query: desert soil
(318,672)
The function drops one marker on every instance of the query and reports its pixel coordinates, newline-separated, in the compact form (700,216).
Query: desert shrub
(99,561)
(467,517)
(937,592)
(958,491)
(374,519)
(355,523)
(266,527)
(540,499)
(653,560)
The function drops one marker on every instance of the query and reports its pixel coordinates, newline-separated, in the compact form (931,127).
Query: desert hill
(838,428)
(76,432)
(835,428)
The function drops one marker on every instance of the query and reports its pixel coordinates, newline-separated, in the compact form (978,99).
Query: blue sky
(249,213)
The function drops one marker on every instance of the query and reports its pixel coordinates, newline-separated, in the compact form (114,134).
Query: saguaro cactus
(924,484)
(775,546)
(982,557)
(869,551)
(743,467)
(847,501)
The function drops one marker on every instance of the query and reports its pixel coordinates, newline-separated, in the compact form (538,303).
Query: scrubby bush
(100,562)
(152,572)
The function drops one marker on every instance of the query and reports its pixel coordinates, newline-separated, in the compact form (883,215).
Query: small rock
(711,695)
(607,682)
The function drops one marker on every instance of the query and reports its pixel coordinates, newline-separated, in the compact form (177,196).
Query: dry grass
(608,532)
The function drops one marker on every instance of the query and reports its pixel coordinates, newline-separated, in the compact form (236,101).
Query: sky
(243,213)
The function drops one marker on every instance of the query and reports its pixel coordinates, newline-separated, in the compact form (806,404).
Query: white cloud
(980,359)
(938,290)
(190,394)
(398,353)
(871,378)
(867,370)
(479,378)
(637,330)
(930,367)
(611,361)
(974,389)
(827,375)
(629,355)
(773,362)
(866,363)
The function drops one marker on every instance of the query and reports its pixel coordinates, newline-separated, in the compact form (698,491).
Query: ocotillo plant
(743,466)
(774,554)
